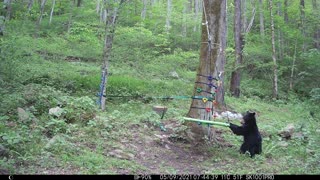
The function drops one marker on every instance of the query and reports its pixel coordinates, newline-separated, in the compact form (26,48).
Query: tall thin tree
(70,16)
(184,19)
(244,15)
(238,39)
(261,17)
(144,9)
(42,6)
(197,9)
(98,6)
(52,9)
(168,17)
(110,27)
(316,34)
(275,66)
(293,66)
(302,23)
(285,11)
(280,34)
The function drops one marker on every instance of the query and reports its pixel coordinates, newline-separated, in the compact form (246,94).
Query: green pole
(207,122)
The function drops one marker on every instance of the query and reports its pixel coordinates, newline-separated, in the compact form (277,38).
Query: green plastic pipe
(207,122)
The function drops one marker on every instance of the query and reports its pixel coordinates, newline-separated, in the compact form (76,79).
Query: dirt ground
(168,151)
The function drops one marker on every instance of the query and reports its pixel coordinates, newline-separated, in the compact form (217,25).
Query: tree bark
(212,61)
(236,74)
(275,68)
(244,16)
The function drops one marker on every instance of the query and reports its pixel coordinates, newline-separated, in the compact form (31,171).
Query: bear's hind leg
(252,151)
(259,149)
(243,148)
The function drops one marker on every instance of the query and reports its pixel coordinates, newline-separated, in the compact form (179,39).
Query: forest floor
(152,151)
(165,152)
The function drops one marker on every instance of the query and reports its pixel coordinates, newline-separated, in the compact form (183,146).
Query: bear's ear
(252,113)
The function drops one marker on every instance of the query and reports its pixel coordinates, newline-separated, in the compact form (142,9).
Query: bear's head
(249,118)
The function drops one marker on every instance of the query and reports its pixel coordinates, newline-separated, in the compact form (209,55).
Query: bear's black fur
(252,140)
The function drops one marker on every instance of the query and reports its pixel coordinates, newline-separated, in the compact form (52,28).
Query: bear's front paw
(232,125)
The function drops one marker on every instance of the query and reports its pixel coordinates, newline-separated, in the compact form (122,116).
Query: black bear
(252,140)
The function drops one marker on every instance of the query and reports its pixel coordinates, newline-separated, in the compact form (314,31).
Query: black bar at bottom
(166,176)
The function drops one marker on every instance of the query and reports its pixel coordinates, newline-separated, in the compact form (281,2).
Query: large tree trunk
(236,74)
(275,68)
(212,61)
(112,14)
